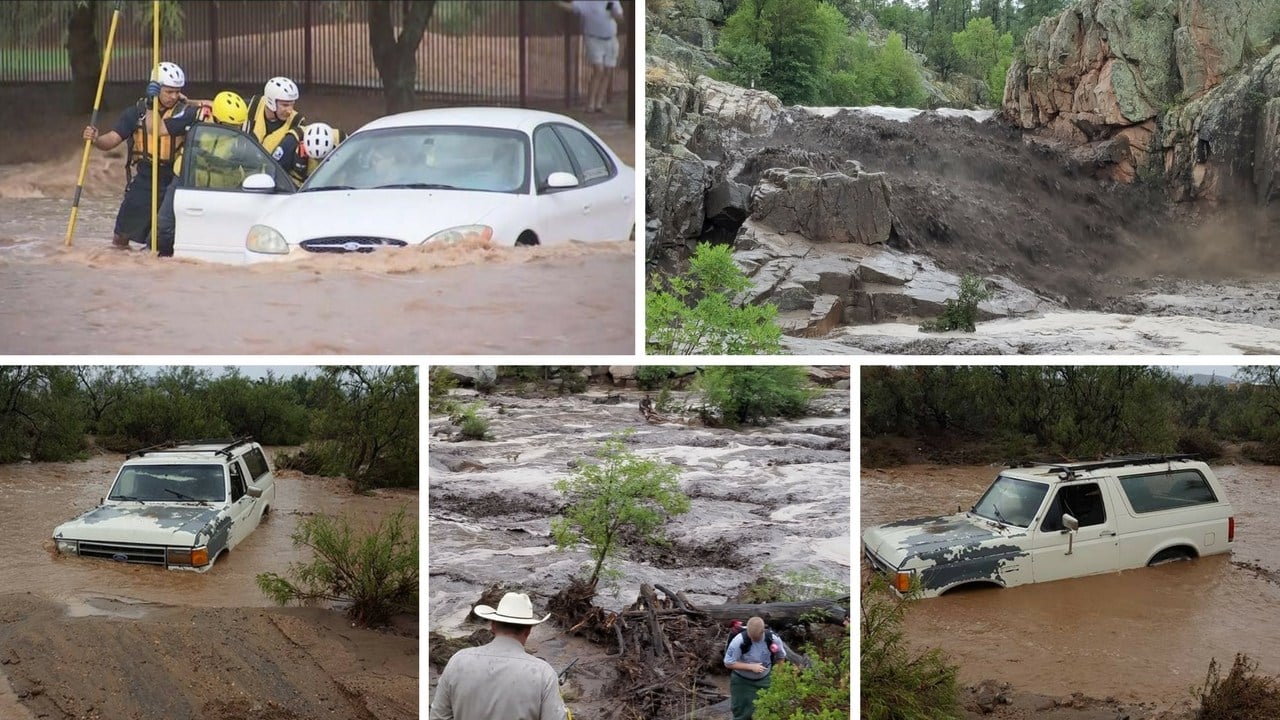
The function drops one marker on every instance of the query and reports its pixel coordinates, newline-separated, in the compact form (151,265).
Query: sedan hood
(150,524)
(895,542)
(408,215)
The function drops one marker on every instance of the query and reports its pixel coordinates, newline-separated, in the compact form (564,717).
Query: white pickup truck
(176,506)
(1055,521)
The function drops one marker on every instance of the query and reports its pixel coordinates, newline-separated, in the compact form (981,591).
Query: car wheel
(527,239)
(633,233)
(1170,555)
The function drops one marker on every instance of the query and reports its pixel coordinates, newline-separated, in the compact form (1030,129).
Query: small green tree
(622,491)
(754,394)
(961,313)
(376,571)
(898,75)
(898,683)
(697,314)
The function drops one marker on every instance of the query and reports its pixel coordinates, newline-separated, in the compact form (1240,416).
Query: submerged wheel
(1171,555)
(527,239)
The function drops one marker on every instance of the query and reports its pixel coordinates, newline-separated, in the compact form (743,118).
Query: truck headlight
(454,235)
(69,547)
(187,557)
(266,239)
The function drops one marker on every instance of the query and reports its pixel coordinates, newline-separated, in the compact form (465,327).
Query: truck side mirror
(253,490)
(1072,525)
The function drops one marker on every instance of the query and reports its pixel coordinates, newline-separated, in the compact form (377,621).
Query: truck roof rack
(228,444)
(1071,468)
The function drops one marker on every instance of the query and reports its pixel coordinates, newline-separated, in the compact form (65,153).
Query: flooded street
(36,497)
(1140,635)
(91,299)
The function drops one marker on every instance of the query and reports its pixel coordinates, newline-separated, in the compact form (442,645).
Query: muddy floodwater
(1140,635)
(775,496)
(36,497)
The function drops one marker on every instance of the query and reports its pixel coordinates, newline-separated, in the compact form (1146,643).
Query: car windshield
(453,158)
(170,483)
(1011,501)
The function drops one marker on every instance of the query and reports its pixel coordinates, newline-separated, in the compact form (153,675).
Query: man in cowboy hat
(500,680)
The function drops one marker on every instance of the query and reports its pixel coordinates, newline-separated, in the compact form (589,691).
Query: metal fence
(491,51)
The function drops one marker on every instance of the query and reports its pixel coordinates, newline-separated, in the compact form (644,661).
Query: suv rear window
(256,463)
(1167,491)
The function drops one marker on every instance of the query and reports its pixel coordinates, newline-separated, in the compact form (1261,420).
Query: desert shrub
(440,382)
(961,313)
(472,426)
(653,377)
(1241,695)
(622,493)
(740,395)
(897,682)
(1200,441)
(1266,452)
(375,573)
(882,452)
(365,426)
(791,586)
(818,692)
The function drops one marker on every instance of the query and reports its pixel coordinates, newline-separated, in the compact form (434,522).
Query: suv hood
(932,537)
(150,524)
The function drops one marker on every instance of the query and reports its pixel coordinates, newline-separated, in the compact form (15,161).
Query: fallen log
(776,615)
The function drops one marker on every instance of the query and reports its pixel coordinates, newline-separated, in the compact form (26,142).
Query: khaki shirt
(498,681)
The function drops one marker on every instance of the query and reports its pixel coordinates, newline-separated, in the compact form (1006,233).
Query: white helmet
(279,88)
(169,75)
(318,140)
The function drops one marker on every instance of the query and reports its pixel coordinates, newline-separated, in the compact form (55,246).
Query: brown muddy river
(1144,635)
(36,497)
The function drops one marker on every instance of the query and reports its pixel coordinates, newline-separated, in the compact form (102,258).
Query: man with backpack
(750,655)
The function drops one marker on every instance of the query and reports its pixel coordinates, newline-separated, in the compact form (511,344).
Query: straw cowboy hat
(514,608)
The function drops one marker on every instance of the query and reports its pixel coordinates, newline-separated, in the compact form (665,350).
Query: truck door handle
(1107,533)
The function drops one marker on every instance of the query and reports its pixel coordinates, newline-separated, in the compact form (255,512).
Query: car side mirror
(253,490)
(259,182)
(1072,525)
(562,180)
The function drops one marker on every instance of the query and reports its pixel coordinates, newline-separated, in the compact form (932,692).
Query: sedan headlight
(266,239)
(69,547)
(481,233)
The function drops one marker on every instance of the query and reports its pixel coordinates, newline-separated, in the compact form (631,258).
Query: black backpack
(769,639)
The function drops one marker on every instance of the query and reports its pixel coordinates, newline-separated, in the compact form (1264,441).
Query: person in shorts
(599,20)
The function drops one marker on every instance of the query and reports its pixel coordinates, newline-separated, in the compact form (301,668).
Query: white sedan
(503,175)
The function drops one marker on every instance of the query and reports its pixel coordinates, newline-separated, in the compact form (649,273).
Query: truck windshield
(1011,501)
(170,483)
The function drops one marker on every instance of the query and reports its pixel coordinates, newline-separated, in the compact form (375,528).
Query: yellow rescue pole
(155,126)
(93,120)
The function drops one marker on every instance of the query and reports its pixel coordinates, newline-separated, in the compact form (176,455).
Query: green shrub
(365,427)
(653,377)
(376,572)
(440,382)
(1241,695)
(472,426)
(881,452)
(698,313)
(897,682)
(961,313)
(1266,452)
(1200,441)
(741,395)
(818,692)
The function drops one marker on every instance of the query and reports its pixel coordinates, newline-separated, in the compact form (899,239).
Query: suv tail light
(1231,529)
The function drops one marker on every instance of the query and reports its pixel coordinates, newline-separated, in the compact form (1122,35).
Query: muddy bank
(90,299)
(114,659)
(90,639)
(772,498)
(1141,637)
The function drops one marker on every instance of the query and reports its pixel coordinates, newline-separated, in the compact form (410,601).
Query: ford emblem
(351,246)
(120,558)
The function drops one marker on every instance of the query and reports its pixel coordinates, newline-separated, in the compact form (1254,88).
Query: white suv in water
(1055,521)
(178,506)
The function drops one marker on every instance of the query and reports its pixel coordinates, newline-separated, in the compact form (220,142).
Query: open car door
(213,212)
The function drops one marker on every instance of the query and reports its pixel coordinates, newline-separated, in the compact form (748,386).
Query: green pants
(742,695)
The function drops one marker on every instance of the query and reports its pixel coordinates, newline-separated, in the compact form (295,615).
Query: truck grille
(348,244)
(146,554)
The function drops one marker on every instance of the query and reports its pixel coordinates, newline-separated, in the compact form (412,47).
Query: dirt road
(1138,636)
(88,639)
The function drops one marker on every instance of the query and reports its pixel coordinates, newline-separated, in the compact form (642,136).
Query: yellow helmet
(229,108)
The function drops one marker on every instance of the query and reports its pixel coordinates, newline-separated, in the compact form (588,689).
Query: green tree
(367,428)
(898,74)
(374,572)
(755,394)
(961,313)
(622,491)
(983,51)
(697,313)
(799,37)
(41,414)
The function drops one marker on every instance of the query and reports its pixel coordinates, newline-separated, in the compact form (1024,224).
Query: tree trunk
(396,58)
(85,55)
(776,615)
